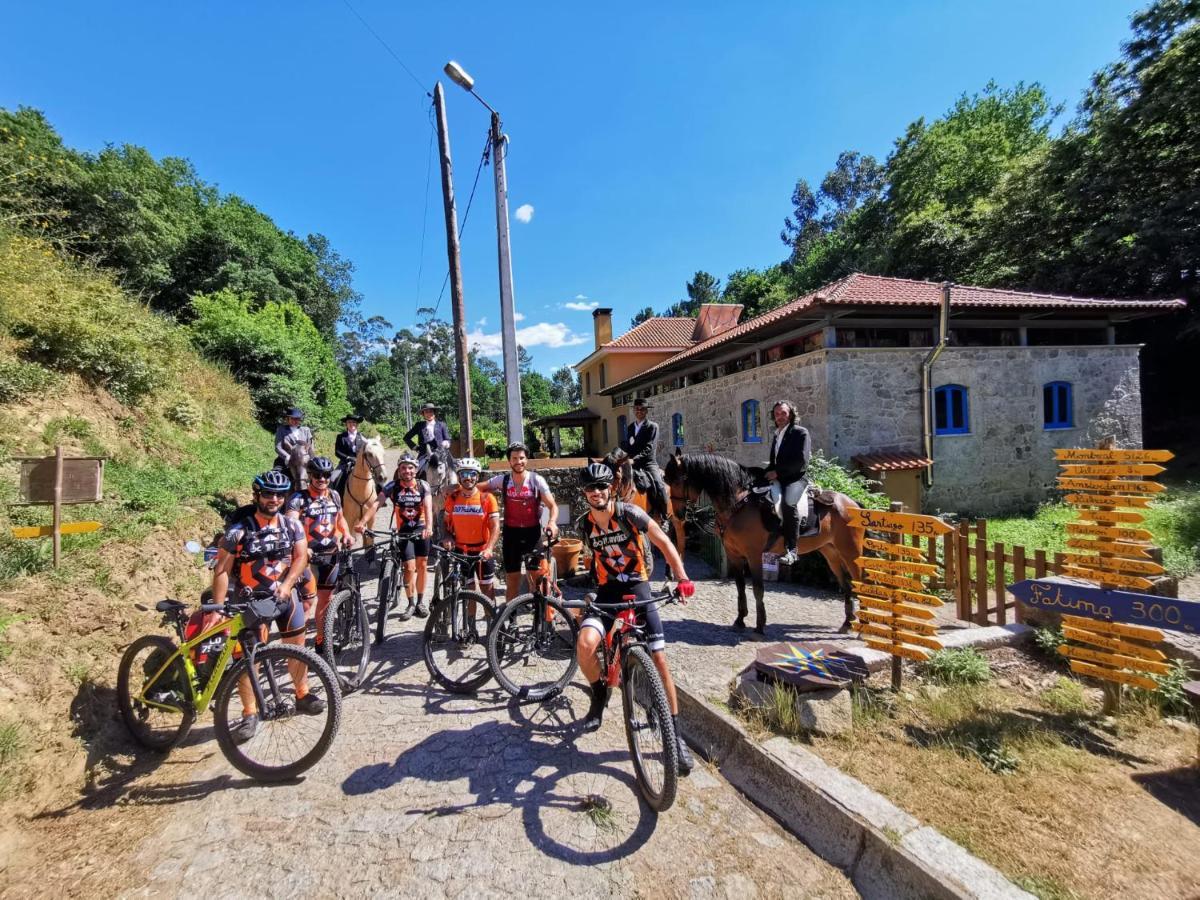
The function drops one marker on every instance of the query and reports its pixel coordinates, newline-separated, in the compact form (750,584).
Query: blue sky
(650,140)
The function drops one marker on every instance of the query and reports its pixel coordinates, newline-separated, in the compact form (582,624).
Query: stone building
(1018,375)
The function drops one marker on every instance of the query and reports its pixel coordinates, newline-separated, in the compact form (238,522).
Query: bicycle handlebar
(669,594)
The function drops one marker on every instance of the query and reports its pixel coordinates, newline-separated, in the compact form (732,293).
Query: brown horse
(625,489)
(740,523)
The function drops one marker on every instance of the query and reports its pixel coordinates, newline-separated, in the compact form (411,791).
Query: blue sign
(1110,606)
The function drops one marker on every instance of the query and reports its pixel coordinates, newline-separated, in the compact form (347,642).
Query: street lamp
(508,331)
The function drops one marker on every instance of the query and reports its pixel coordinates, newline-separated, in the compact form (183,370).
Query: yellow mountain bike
(162,687)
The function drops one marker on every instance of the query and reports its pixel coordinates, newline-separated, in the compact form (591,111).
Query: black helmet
(273,481)
(320,465)
(595,473)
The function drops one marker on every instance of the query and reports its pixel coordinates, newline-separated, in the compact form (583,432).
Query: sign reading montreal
(1119,606)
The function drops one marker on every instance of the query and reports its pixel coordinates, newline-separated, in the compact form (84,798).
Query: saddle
(820,502)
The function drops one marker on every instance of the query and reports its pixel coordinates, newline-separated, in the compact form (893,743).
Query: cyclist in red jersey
(473,521)
(523,494)
(319,510)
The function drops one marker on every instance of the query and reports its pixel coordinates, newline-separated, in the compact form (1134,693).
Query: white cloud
(482,322)
(518,317)
(543,334)
(580,307)
(581,296)
(525,213)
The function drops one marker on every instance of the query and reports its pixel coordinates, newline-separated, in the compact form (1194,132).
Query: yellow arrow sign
(1111,484)
(1113,675)
(899,566)
(901,636)
(1119,469)
(1108,643)
(1115,455)
(47,530)
(901,550)
(896,596)
(897,523)
(879,618)
(897,581)
(1118,534)
(1140,632)
(1107,517)
(1136,566)
(897,649)
(902,609)
(1117,660)
(1109,578)
(1109,547)
(1114,500)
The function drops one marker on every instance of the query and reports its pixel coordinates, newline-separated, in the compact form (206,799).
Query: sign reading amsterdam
(1109,606)
(898,523)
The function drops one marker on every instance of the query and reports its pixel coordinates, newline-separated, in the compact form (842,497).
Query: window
(950,411)
(750,432)
(602,381)
(1056,405)
(677,430)
(622,427)
(587,376)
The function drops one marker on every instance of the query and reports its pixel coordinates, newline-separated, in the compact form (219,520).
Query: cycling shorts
(411,545)
(615,592)
(326,570)
(290,618)
(518,542)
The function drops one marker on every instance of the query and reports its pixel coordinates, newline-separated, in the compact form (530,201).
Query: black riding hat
(352,418)
(295,413)
(430,406)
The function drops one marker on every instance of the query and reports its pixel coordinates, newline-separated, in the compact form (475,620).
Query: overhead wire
(387,47)
(483,159)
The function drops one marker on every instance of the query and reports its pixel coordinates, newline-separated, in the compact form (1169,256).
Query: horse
(363,484)
(297,466)
(440,472)
(626,490)
(740,523)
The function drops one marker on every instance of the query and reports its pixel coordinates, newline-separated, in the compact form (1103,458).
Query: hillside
(86,365)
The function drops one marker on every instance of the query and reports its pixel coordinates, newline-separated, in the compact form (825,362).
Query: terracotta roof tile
(660,331)
(887,462)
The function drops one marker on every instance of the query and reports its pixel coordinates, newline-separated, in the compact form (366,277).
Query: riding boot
(595,715)
(685,759)
(791,532)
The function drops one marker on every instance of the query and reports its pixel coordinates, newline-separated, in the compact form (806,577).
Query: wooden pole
(897,663)
(58,485)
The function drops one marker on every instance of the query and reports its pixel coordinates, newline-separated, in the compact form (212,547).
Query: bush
(21,379)
(183,411)
(1047,639)
(1066,697)
(1169,698)
(965,666)
(831,475)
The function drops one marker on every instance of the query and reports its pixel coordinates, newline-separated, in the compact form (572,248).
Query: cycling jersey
(619,551)
(319,515)
(522,503)
(467,517)
(409,504)
(262,549)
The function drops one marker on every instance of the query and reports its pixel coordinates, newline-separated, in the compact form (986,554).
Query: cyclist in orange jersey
(473,522)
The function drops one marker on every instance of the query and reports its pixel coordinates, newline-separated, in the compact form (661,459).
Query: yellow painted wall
(618,367)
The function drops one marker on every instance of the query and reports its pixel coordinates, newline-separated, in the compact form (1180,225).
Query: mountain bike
(626,662)
(391,577)
(346,631)
(162,687)
(458,626)
(531,648)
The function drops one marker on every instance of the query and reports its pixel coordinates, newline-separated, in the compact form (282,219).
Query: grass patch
(1169,699)
(1045,888)
(1047,639)
(75,427)
(600,812)
(12,749)
(962,666)
(1066,697)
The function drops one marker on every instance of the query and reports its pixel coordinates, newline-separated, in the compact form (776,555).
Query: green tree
(646,312)
(564,387)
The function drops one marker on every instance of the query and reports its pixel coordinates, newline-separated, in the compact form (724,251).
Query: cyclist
(524,493)
(473,523)
(319,510)
(616,532)
(265,550)
(412,522)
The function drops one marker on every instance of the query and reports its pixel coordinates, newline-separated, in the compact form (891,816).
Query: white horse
(441,474)
(365,481)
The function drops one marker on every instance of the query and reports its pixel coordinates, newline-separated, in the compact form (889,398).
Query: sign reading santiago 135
(1120,606)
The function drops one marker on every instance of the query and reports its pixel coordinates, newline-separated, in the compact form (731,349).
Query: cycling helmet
(406,458)
(320,465)
(467,465)
(595,473)
(273,481)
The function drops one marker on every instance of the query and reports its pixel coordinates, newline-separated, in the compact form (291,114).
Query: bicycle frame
(201,699)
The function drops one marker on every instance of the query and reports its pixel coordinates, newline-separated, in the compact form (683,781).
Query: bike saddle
(165,606)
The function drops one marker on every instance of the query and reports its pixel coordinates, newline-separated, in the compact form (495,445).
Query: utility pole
(508,333)
(461,360)
(407,399)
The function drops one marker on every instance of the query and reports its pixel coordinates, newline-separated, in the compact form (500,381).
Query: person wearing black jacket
(346,448)
(790,453)
(640,444)
(429,435)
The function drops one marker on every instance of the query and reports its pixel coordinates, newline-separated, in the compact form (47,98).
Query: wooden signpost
(1121,660)
(895,607)
(56,481)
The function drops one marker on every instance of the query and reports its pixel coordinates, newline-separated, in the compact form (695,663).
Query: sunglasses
(469,476)
(272,495)
(318,477)
(593,488)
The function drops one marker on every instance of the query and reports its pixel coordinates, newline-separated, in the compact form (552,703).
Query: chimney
(602,322)
(715,318)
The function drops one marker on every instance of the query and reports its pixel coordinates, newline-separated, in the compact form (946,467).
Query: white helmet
(469,464)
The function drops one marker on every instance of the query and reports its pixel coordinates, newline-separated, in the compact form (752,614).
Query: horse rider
(289,435)
(427,436)
(346,448)
(640,445)
(790,453)
(616,533)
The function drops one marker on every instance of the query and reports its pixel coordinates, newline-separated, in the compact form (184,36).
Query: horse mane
(719,477)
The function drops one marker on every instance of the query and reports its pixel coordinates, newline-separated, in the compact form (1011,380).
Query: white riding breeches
(794,494)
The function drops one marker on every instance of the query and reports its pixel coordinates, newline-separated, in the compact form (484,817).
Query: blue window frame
(1057,407)
(951,413)
(622,428)
(677,430)
(750,430)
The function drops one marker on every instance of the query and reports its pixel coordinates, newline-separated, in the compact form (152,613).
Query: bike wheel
(287,741)
(158,714)
(456,641)
(386,591)
(531,648)
(346,638)
(649,729)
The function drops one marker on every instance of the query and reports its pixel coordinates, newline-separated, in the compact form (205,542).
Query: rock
(827,712)
(1181,725)
(932,691)
(752,692)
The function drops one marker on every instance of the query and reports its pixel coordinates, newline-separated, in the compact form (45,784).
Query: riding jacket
(425,437)
(346,448)
(791,462)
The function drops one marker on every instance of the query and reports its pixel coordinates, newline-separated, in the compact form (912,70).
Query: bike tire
(346,638)
(438,636)
(135,714)
(646,712)
(516,647)
(387,587)
(273,655)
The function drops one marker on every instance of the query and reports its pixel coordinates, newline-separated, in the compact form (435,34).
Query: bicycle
(178,682)
(391,576)
(455,650)
(345,633)
(625,659)
(531,647)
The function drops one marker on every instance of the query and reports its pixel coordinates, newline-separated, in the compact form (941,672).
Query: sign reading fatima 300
(1111,606)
